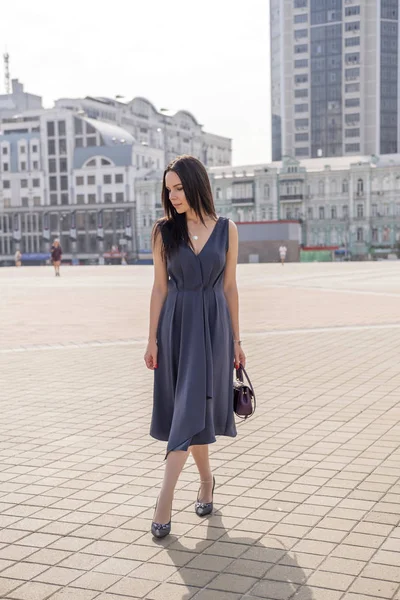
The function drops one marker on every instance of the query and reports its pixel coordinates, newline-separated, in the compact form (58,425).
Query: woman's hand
(150,357)
(240,357)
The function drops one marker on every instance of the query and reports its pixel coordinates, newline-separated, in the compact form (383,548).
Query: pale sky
(209,57)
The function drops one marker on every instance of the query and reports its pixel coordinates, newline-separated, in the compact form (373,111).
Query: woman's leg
(173,467)
(202,460)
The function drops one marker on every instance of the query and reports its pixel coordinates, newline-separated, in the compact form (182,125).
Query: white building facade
(349,202)
(174,133)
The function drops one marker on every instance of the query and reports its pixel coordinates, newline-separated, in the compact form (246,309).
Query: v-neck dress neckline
(208,239)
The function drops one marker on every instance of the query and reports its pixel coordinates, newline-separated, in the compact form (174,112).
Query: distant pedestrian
(282,253)
(56,254)
(17,258)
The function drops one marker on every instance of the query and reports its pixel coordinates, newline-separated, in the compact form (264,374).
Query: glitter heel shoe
(203,509)
(160,530)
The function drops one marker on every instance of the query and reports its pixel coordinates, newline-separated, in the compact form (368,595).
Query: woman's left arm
(231,291)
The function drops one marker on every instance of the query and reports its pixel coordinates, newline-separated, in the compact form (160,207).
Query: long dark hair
(197,188)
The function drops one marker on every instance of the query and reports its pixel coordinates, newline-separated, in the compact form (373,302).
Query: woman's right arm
(158,295)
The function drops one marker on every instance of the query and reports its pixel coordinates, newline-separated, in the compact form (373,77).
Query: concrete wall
(263,239)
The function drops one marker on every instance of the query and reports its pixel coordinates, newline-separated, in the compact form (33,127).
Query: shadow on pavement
(246,567)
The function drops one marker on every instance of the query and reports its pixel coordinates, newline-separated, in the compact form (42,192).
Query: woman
(194,340)
(56,254)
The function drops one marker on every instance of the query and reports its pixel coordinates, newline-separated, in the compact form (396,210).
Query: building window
(53,183)
(321,187)
(119,178)
(78,142)
(300,48)
(300,3)
(352,41)
(310,213)
(301,63)
(5,166)
(352,58)
(333,212)
(351,133)
(63,165)
(301,18)
(80,199)
(300,34)
(360,234)
(302,151)
(64,199)
(386,210)
(375,235)
(360,211)
(4,150)
(24,183)
(301,137)
(352,147)
(350,11)
(25,202)
(352,119)
(352,26)
(91,179)
(6,184)
(50,129)
(360,186)
(299,108)
(321,212)
(119,197)
(35,165)
(61,128)
(91,141)
(37,201)
(345,211)
(34,149)
(106,179)
(108,198)
(374,210)
(53,200)
(352,102)
(91,163)
(303,93)
(105,162)
(303,78)
(52,165)
(91,198)
(23,166)
(36,183)
(80,181)
(64,182)
(51,147)
(352,73)
(266,191)
(22,149)
(351,88)
(62,144)
(218,194)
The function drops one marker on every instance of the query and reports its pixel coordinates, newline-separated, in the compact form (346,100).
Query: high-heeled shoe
(205,508)
(160,530)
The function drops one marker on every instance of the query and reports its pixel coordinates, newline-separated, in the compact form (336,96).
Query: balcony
(291,197)
(242,201)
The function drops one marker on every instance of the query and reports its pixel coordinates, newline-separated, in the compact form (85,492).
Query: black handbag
(244,398)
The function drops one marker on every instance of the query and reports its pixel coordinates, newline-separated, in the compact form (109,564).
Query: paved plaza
(307,504)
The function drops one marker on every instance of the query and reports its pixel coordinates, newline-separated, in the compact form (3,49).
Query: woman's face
(56,243)
(176,194)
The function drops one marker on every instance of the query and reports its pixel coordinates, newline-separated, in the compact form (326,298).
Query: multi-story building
(71,172)
(334,77)
(349,202)
(174,133)
(68,176)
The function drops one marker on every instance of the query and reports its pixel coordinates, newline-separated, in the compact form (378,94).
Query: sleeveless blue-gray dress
(193,384)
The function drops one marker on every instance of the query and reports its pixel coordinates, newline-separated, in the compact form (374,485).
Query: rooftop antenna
(6,58)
